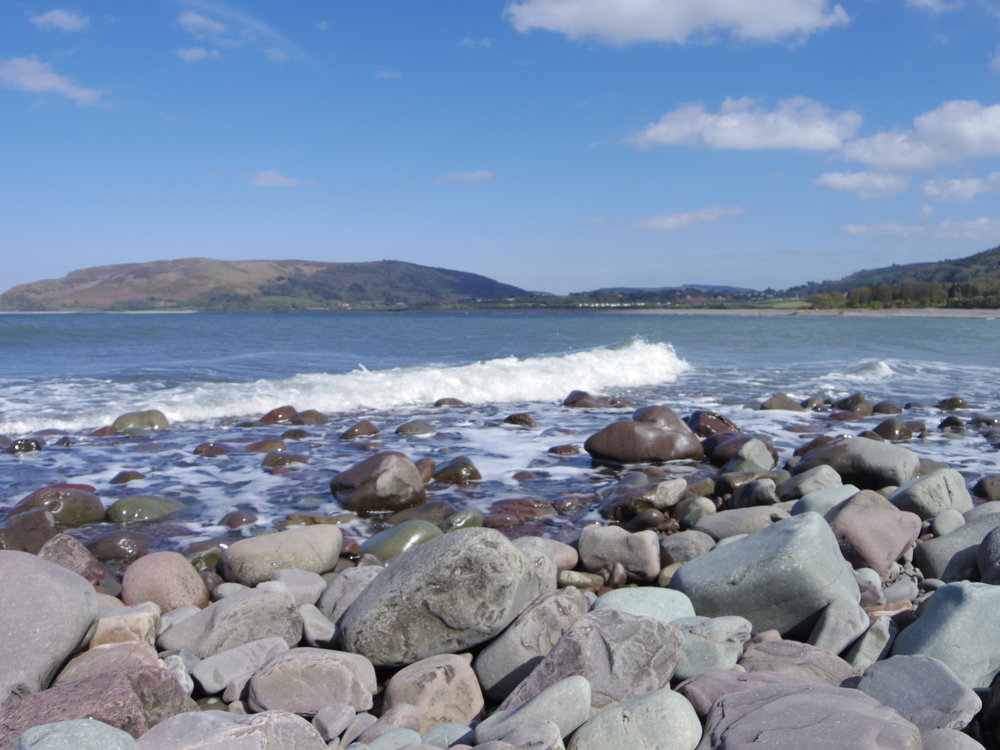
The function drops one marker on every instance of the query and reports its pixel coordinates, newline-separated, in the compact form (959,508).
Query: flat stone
(657,720)
(781,577)
(664,605)
(108,658)
(443,688)
(867,463)
(798,659)
(76,734)
(256,559)
(710,643)
(219,730)
(703,690)
(219,670)
(304,680)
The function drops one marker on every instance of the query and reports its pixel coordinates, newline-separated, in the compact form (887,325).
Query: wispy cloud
(196,54)
(199,25)
(884,229)
(227,27)
(677,21)
(31,74)
(867,185)
(63,20)
(270,178)
(471,42)
(936,6)
(983,229)
(475,176)
(387,74)
(961,189)
(596,221)
(743,124)
(674,222)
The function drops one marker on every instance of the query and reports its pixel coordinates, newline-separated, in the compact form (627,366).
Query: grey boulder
(868,464)
(76,734)
(657,720)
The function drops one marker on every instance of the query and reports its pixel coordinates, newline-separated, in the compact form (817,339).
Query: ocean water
(66,375)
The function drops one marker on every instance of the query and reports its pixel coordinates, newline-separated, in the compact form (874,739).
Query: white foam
(79,406)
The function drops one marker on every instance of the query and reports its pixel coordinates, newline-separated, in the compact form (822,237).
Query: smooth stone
(149,420)
(703,690)
(364,428)
(510,657)
(448,734)
(657,720)
(218,671)
(872,532)
(416,427)
(798,659)
(947,521)
(165,578)
(874,644)
(710,643)
(394,739)
(600,547)
(781,577)
(385,482)
(142,508)
(107,658)
(753,455)
(536,735)
(69,506)
(691,510)
(664,605)
(341,592)
(781,402)
(928,495)
(317,630)
(818,478)
(620,654)
(469,518)
(823,500)
(869,464)
(76,734)
(958,626)
(255,559)
(304,680)
(988,557)
(443,688)
(331,721)
(458,470)
(955,556)
(305,586)
(566,701)
(923,690)
(219,730)
(794,716)
(842,622)
(948,739)
(390,542)
(684,546)
(33,586)
(446,595)
(122,624)
(654,434)
(728,523)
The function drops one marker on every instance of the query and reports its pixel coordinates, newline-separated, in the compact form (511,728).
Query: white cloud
(982,229)
(29,74)
(322,25)
(195,54)
(270,178)
(470,42)
(672,222)
(476,176)
(935,6)
(220,24)
(886,229)
(963,189)
(955,131)
(867,185)
(630,21)
(199,25)
(387,74)
(276,54)
(798,123)
(64,20)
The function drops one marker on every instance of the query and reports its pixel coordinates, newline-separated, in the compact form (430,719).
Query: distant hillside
(703,288)
(205,284)
(981,268)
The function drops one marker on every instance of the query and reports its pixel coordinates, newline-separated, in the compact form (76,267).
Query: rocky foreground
(847,599)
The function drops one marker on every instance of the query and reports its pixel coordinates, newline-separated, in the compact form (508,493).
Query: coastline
(895,312)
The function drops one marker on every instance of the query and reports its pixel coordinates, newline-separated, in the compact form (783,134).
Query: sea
(213,375)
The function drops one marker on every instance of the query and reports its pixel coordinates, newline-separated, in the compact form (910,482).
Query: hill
(205,284)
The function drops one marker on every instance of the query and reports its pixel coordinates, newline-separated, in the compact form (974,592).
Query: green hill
(205,284)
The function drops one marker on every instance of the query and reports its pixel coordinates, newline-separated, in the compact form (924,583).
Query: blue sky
(558,145)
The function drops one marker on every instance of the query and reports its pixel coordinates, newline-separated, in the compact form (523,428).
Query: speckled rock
(250,561)
(928,495)
(443,688)
(218,730)
(304,680)
(657,720)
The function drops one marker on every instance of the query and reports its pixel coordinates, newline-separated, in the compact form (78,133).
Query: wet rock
(266,446)
(522,419)
(463,519)
(704,423)
(781,401)
(387,481)
(393,541)
(753,455)
(950,404)
(894,429)
(446,595)
(448,401)
(24,445)
(211,450)
(120,545)
(29,531)
(780,577)
(69,506)
(279,414)
(250,561)
(150,420)
(124,477)
(364,428)
(304,680)
(310,417)
(458,470)
(143,508)
(443,688)
(863,462)
(235,519)
(416,428)
(655,434)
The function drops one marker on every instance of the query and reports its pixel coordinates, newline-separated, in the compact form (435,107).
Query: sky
(558,145)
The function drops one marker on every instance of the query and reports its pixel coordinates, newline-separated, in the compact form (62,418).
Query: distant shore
(893,312)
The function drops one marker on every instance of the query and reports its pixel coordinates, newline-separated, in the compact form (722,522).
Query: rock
(950,404)
(780,401)
(704,423)
(710,643)
(947,521)
(250,561)
(28,531)
(34,647)
(955,556)
(654,434)
(818,478)
(390,542)
(894,429)
(444,596)
(150,420)
(238,619)
(309,417)
(566,701)
(304,680)
(386,482)
(344,589)
(443,688)
(364,428)
(305,586)
(988,488)
(958,626)
(620,654)
(729,523)
(929,495)
(822,501)
(600,547)
(142,508)
(511,656)
(69,506)
(266,446)
(872,532)
(220,670)
(463,519)
(416,427)
(948,739)
(133,700)
(522,419)
(705,689)
(923,690)
(684,546)
(218,730)
(753,494)
(458,470)
(165,578)
(863,462)
(781,577)
(67,552)
(842,623)
(76,734)
(657,720)
(120,545)
(875,644)
(798,659)
(278,414)
(107,658)
(124,624)
(664,605)
(753,455)
(795,716)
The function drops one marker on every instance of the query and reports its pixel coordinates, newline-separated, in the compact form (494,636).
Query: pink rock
(166,579)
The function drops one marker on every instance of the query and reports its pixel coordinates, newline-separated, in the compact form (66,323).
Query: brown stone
(64,550)
(523,508)
(166,579)
(634,441)
(444,688)
(522,418)
(386,482)
(310,417)
(279,414)
(364,428)
(705,423)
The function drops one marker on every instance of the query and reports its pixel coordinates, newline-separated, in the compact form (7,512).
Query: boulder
(797,659)
(76,734)
(866,463)
(928,495)
(872,532)
(710,644)
(443,688)
(655,434)
(166,579)
(47,613)
(255,559)
(304,680)
(657,720)
(385,482)
(150,420)
(781,577)
(69,506)
(444,596)
(956,555)
(818,478)
(218,730)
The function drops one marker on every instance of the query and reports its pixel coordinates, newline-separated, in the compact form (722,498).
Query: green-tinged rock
(386,544)
(458,471)
(142,508)
(275,459)
(150,420)
(69,506)
(415,428)
(464,519)
(124,477)
(661,604)
(657,720)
